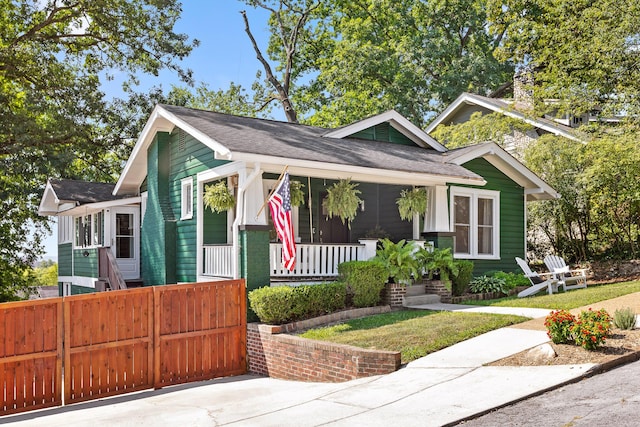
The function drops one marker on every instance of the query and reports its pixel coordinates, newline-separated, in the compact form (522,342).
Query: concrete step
(420,300)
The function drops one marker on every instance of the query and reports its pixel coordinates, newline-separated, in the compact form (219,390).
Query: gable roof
(508,109)
(62,195)
(535,188)
(253,140)
(395,119)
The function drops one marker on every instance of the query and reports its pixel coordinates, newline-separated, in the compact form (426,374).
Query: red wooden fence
(119,342)
(30,355)
(202,332)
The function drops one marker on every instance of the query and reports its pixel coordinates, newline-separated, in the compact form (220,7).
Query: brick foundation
(272,352)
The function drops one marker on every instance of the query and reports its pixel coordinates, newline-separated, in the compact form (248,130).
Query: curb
(595,370)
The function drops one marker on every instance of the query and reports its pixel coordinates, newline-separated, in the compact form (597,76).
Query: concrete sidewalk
(534,313)
(439,389)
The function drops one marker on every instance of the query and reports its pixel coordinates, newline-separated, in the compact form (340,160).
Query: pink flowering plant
(558,324)
(591,329)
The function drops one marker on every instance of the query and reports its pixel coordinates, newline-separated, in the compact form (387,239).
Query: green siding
(512,215)
(158,228)
(64,259)
(86,266)
(383,132)
(78,290)
(214,227)
(188,158)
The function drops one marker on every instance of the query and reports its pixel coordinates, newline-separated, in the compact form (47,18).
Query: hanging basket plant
(218,197)
(297,195)
(342,201)
(412,202)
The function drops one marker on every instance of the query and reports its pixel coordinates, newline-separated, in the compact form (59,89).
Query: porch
(313,260)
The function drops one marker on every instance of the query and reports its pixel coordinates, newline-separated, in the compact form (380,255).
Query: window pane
(461,224)
(124,235)
(485,226)
(485,212)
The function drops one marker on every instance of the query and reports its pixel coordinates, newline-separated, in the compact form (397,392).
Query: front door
(125,240)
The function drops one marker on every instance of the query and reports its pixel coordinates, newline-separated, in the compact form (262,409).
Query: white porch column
(254,198)
(369,248)
(437,215)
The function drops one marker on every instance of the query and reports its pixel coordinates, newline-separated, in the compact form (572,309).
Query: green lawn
(416,333)
(413,333)
(566,300)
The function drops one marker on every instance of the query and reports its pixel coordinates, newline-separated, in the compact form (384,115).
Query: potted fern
(218,197)
(342,201)
(296,192)
(412,202)
(399,260)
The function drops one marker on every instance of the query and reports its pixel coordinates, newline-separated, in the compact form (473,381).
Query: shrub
(591,329)
(624,318)
(512,280)
(398,260)
(460,282)
(364,280)
(558,324)
(484,284)
(282,304)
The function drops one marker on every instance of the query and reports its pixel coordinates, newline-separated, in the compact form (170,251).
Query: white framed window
(89,230)
(186,198)
(476,223)
(65,229)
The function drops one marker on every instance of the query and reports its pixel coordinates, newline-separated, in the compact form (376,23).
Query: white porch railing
(218,260)
(314,260)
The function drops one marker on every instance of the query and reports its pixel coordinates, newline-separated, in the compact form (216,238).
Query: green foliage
(218,197)
(460,281)
(484,284)
(46,273)
(511,280)
(365,281)
(412,201)
(558,324)
(282,304)
(624,318)
(342,201)
(54,118)
(591,329)
(410,55)
(550,37)
(399,261)
(479,128)
(297,194)
(438,261)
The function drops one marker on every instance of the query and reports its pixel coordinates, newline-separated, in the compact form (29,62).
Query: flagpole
(272,190)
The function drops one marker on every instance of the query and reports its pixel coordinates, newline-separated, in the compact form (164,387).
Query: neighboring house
(460,111)
(157,227)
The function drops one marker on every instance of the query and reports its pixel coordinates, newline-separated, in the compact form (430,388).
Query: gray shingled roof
(83,192)
(295,141)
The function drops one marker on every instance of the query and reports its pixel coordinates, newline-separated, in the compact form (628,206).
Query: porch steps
(420,300)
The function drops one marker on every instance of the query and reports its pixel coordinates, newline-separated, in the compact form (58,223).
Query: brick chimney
(523,89)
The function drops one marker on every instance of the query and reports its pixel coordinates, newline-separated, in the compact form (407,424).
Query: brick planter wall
(272,352)
(393,293)
(436,287)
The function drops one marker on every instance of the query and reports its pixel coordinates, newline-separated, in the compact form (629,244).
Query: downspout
(239,218)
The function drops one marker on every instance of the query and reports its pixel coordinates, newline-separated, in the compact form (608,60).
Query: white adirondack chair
(570,279)
(538,281)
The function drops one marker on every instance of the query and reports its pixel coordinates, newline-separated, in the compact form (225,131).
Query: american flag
(280,206)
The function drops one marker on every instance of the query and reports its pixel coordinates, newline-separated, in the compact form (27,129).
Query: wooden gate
(201,333)
(30,355)
(119,342)
(108,344)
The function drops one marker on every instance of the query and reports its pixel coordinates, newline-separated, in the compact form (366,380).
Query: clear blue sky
(225,53)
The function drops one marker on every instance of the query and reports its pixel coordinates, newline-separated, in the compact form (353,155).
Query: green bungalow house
(153,228)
